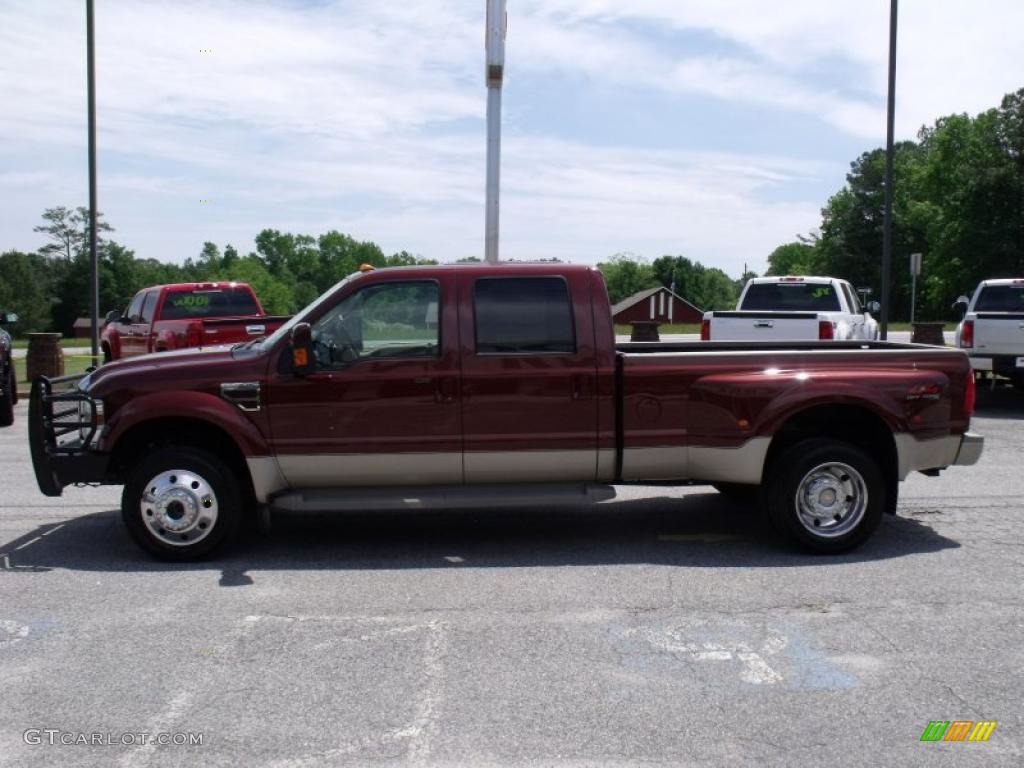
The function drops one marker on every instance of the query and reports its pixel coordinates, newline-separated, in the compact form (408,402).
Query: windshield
(1001,298)
(300,316)
(791,297)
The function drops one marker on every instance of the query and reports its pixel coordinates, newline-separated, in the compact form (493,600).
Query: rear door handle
(764,324)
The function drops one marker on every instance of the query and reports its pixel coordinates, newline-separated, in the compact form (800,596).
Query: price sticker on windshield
(1020,362)
(191,301)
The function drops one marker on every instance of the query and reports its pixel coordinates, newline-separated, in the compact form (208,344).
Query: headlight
(86,421)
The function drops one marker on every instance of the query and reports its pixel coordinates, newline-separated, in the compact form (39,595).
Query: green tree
(796,258)
(68,231)
(626,274)
(25,288)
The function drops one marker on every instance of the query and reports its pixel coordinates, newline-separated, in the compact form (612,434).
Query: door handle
(446,390)
(582,387)
(764,324)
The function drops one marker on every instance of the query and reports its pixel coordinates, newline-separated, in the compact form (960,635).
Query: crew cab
(166,317)
(476,385)
(8,381)
(992,328)
(792,308)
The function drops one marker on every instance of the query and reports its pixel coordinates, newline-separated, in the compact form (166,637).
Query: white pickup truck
(992,328)
(793,309)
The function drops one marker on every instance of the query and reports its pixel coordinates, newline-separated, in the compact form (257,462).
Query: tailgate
(764,326)
(225,330)
(999,333)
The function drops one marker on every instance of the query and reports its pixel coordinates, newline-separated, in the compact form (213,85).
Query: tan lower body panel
(742,464)
(530,466)
(336,470)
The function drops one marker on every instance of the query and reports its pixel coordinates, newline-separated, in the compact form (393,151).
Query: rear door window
(523,315)
(209,302)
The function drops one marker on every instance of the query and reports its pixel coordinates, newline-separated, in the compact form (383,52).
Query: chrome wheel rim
(179,507)
(831,499)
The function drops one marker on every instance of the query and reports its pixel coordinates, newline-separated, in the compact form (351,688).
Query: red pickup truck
(167,317)
(473,385)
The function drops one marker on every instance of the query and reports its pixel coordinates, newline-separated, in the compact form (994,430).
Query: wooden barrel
(645,330)
(928,333)
(45,357)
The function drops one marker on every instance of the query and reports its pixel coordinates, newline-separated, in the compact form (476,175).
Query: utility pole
(495,72)
(91,67)
(889,151)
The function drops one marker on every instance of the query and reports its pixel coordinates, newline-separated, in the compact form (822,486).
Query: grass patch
(65,343)
(73,364)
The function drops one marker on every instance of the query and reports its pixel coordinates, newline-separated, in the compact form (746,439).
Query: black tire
(107,357)
(804,483)
(7,401)
(190,478)
(738,493)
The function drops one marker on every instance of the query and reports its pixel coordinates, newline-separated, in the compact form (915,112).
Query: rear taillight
(194,335)
(967,334)
(970,394)
(825,330)
(705,330)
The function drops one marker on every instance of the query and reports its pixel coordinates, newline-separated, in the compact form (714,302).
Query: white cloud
(953,56)
(367,117)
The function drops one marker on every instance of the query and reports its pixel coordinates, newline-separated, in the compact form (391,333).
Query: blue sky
(714,128)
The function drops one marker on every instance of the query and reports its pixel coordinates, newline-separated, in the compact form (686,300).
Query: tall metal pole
(889,152)
(91,55)
(495,45)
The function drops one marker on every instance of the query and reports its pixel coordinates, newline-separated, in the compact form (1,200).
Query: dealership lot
(666,627)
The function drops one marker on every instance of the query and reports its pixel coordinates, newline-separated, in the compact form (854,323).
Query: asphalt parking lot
(666,627)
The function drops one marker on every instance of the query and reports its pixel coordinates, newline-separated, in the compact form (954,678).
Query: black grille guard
(60,432)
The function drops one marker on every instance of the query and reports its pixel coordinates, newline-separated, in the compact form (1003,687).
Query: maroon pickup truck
(167,317)
(454,386)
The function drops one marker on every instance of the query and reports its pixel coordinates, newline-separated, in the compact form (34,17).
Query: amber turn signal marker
(300,357)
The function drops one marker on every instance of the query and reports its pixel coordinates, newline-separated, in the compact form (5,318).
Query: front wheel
(825,495)
(181,503)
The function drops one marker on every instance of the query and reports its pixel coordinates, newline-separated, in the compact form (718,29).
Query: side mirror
(302,349)
(8,318)
(874,306)
(113,316)
(960,306)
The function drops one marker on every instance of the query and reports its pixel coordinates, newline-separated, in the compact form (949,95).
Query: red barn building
(658,304)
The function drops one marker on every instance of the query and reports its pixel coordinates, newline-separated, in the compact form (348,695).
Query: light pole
(890,126)
(495,61)
(90,45)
